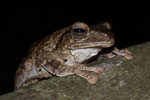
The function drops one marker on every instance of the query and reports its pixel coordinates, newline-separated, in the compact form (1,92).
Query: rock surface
(122,80)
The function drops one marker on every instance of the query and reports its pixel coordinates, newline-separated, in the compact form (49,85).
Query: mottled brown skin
(63,53)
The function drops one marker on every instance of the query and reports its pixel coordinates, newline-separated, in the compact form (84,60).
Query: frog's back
(49,43)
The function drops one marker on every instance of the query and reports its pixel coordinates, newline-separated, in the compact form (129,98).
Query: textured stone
(122,80)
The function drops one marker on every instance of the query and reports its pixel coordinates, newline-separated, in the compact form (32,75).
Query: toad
(64,52)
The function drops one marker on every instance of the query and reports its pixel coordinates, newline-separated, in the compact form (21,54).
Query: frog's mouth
(92,45)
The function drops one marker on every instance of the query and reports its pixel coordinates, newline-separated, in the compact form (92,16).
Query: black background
(21,26)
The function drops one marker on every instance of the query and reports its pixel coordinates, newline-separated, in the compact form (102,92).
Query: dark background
(22,26)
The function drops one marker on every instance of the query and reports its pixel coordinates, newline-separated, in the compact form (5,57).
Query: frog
(64,52)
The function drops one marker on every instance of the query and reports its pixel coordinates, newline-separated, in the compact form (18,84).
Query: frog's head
(84,36)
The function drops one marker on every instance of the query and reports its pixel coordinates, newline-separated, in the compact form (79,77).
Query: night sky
(22,26)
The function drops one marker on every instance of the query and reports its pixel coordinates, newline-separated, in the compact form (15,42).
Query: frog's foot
(29,82)
(125,53)
(92,79)
(35,79)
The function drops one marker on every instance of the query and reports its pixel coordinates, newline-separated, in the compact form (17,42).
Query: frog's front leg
(69,70)
(97,70)
(125,53)
(89,77)
(80,70)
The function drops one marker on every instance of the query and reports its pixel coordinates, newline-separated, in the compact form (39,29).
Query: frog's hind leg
(35,79)
(23,72)
(27,74)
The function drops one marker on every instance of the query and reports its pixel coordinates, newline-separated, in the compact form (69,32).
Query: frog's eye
(79,30)
(79,33)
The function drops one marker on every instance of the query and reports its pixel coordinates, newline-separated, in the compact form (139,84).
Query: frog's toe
(110,55)
(93,79)
(99,70)
(128,56)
